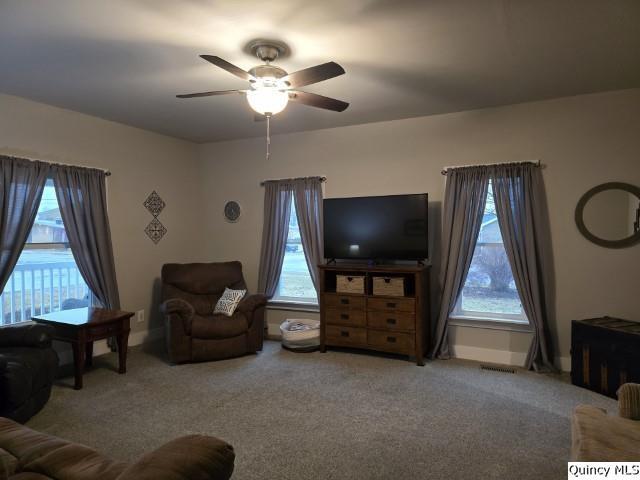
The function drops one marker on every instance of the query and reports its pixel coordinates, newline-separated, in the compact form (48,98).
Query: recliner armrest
(177,306)
(252,302)
(34,335)
(185,458)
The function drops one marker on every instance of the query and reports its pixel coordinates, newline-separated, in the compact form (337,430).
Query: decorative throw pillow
(229,301)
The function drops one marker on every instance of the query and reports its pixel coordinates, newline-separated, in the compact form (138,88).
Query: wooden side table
(83,326)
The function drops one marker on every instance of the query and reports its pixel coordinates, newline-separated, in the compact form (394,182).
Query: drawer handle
(344,301)
(391,339)
(344,334)
(344,316)
(391,304)
(391,321)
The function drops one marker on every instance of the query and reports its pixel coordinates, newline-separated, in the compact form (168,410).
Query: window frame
(283,302)
(43,246)
(493,320)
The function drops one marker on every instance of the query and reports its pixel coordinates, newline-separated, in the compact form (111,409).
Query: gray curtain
(307,195)
(523,218)
(21,185)
(82,198)
(277,209)
(463,207)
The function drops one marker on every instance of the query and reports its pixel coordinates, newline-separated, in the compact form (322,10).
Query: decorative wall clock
(232,211)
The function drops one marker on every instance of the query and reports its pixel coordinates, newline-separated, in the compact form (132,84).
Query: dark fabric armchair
(193,333)
(28,367)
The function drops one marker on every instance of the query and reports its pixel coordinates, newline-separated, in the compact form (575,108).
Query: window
(489,292)
(46,277)
(295,284)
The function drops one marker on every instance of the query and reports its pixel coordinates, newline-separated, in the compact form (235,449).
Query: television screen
(392,227)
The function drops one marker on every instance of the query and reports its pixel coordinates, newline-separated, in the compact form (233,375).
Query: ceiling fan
(270,87)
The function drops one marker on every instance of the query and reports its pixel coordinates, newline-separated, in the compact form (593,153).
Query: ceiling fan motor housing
(267,71)
(268,50)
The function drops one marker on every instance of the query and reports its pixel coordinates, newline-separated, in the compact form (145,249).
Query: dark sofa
(193,333)
(29,455)
(28,366)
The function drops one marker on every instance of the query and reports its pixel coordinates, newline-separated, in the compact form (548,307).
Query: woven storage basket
(350,284)
(391,286)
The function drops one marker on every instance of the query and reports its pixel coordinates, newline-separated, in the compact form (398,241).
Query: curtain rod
(106,172)
(322,179)
(445,170)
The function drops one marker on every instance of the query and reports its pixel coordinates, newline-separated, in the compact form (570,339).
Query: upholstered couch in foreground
(29,455)
(598,437)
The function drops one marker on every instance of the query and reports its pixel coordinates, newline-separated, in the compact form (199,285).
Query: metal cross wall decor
(154,204)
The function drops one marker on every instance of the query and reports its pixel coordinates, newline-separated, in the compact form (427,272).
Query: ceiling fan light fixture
(267,100)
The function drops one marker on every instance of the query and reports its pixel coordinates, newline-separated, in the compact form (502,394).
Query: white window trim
(476,321)
(296,305)
(45,245)
(288,302)
(459,312)
(488,320)
(492,320)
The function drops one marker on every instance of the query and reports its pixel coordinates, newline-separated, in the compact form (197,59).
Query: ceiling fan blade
(210,94)
(313,74)
(229,67)
(315,100)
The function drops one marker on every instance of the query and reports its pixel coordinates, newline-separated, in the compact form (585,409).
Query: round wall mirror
(609,215)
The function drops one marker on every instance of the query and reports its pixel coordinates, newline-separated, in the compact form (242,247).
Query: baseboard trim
(100,347)
(489,355)
(502,357)
(466,352)
(564,363)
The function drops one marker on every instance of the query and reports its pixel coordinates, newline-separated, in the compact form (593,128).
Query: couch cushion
(203,278)
(8,464)
(219,326)
(202,304)
(193,457)
(598,437)
(54,457)
(29,476)
(77,462)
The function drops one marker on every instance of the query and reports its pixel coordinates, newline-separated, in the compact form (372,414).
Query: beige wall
(582,140)
(140,162)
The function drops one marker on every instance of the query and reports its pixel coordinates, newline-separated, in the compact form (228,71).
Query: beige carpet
(337,415)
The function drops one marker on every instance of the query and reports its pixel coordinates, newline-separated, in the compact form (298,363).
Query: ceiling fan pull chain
(268,135)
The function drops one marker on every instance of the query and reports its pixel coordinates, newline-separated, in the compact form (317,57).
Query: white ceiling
(125,60)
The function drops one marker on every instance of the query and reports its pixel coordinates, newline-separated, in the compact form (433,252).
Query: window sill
(491,324)
(293,306)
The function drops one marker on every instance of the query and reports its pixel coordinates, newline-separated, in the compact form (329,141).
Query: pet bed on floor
(300,335)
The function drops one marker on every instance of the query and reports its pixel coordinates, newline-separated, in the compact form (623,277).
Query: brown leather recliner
(193,333)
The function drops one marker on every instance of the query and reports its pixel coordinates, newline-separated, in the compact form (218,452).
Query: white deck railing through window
(38,288)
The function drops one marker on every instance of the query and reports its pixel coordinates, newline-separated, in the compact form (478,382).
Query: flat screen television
(392,227)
